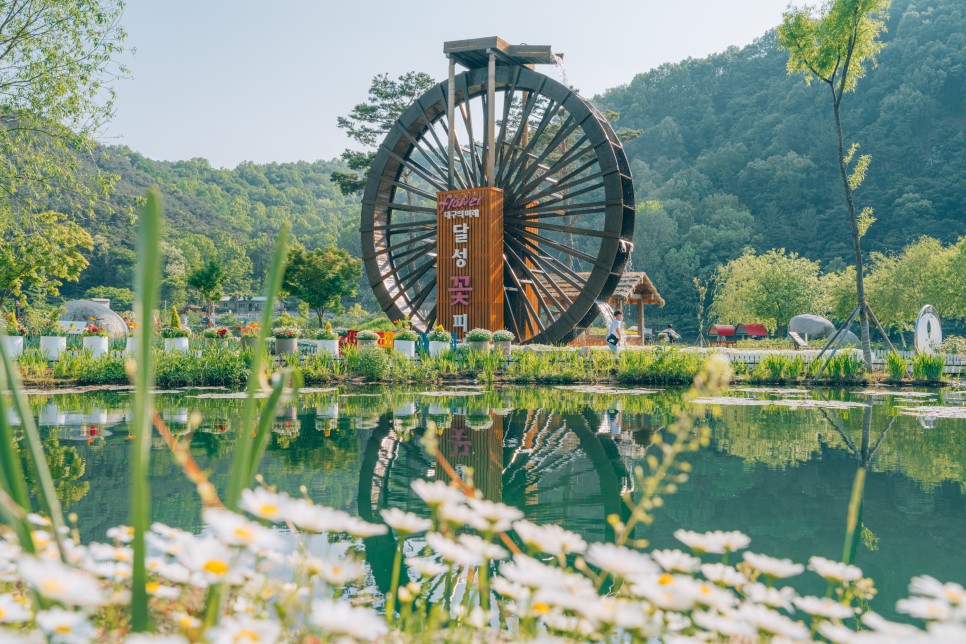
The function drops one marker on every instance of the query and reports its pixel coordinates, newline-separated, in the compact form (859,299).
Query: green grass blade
(241,460)
(12,480)
(264,431)
(146,285)
(35,449)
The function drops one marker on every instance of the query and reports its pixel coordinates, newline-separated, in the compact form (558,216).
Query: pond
(780,466)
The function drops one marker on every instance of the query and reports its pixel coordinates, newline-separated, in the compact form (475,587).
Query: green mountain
(734,153)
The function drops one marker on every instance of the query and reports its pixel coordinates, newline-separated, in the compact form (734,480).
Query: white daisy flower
(151,638)
(437,493)
(531,573)
(340,573)
(724,623)
(722,574)
(340,618)
(56,581)
(823,607)
(498,515)
(265,504)
(121,533)
(772,567)
(613,612)
(925,608)
(168,570)
(549,538)
(453,552)
(675,561)
(480,546)
(186,622)
(707,594)
(510,589)
(716,542)
(928,586)
(356,527)
(235,530)
(405,523)
(65,626)
(13,610)
(426,567)
(247,630)
(771,597)
(310,517)
(841,634)
(210,559)
(834,570)
(461,515)
(880,624)
(769,622)
(667,592)
(620,561)
(946,632)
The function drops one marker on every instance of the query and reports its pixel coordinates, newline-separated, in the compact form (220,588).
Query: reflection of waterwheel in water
(568,199)
(558,471)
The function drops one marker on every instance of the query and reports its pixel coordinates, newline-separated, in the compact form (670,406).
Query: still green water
(782,473)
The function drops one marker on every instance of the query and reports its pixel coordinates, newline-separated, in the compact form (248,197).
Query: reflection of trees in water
(66,467)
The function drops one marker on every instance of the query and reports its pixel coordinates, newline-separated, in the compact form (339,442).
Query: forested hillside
(228,215)
(735,152)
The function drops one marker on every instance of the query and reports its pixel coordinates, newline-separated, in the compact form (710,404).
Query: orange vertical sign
(469,261)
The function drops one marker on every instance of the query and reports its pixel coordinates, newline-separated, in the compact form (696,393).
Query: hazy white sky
(264,81)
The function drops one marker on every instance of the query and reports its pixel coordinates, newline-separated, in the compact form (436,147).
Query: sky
(243,80)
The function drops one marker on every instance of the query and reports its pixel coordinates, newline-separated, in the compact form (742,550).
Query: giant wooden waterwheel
(568,199)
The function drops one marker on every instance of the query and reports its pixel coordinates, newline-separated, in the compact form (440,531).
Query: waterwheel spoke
(527,151)
(563,189)
(540,286)
(576,254)
(519,224)
(408,187)
(422,295)
(392,228)
(534,316)
(418,145)
(523,127)
(413,166)
(402,244)
(550,264)
(568,157)
(566,129)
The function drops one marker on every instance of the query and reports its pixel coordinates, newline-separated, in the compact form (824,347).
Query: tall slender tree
(835,45)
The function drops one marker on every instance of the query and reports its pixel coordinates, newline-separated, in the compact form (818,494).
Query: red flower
(222,332)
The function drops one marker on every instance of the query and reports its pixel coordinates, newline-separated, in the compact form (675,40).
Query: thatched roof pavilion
(634,289)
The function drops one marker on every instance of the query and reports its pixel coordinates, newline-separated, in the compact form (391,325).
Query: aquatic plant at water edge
(928,367)
(372,364)
(896,366)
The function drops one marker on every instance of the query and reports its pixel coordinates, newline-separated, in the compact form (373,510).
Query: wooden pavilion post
(640,320)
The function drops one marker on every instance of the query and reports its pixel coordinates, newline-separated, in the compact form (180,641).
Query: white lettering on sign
(459,321)
(462,232)
(459,255)
(462,214)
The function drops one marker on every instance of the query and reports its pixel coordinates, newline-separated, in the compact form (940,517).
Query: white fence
(954,363)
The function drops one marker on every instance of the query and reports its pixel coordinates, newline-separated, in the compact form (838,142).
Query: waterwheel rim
(569,213)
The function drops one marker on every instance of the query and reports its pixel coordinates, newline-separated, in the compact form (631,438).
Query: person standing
(615,333)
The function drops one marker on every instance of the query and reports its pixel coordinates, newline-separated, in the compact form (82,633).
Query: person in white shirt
(615,333)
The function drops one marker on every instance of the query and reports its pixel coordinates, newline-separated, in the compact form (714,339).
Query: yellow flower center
(705,590)
(3,613)
(63,628)
(216,567)
(268,509)
(953,595)
(245,534)
(541,608)
(152,587)
(51,587)
(665,579)
(246,635)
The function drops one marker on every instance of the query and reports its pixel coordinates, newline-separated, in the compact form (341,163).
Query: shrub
(953,344)
(928,367)
(373,364)
(844,367)
(13,327)
(479,335)
(896,366)
(286,332)
(327,333)
(439,334)
(658,366)
(771,368)
(503,336)
(407,335)
(174,332)
(175,318)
